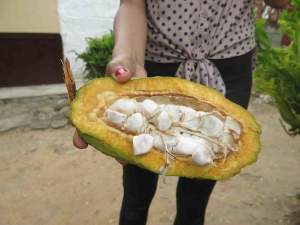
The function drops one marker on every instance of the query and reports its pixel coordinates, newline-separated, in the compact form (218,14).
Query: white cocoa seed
(149,107)
(115,117)
(142,144)
(126,106)
(163,121)
(204,153)
(158,141)
(135,123)
(211,126)
(185,146)
(173,111)
(202,156)
(188,113)
(232,125)
(227,139)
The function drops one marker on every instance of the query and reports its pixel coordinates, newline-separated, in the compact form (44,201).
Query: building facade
(35,35)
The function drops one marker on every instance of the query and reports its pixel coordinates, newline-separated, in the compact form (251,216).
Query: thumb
(78,141)
(121,69)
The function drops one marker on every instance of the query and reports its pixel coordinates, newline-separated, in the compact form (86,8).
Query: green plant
(97,55)
(262,39)
(278,70)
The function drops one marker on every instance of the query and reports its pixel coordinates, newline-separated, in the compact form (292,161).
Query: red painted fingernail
(120,70)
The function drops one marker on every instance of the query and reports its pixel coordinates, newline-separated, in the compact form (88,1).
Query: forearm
(130,30)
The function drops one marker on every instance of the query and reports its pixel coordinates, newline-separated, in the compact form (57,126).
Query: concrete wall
(33,16)
(80,19)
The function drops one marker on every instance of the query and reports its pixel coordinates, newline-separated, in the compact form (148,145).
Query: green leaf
(262,39)
(97,55)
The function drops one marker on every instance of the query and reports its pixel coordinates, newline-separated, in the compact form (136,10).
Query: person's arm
(130,31)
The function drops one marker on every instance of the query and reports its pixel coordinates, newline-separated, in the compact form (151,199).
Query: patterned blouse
(193,31)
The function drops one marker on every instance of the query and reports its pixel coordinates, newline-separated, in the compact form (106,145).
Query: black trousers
(192,194)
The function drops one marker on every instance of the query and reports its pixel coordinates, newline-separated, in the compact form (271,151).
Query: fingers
(78,141)
(121,74)
(122,68)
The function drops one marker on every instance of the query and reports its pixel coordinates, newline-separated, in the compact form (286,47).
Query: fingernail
(120,70)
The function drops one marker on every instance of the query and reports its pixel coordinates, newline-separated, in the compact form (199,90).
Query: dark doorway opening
(30,59)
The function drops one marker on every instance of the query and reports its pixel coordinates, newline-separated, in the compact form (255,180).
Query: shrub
(97,55)
(278,69)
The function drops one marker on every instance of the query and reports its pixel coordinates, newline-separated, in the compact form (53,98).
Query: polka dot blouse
(193,31)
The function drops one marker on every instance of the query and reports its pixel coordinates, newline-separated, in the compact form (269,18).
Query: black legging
(192,194)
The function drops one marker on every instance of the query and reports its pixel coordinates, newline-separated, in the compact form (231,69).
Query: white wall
(80,19)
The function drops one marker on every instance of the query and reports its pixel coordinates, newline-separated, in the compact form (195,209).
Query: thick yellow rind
(117,144)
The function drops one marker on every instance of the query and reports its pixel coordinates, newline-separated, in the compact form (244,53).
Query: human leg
(139,188)
(192,198)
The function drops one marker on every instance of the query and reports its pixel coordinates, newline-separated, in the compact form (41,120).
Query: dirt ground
(45,181)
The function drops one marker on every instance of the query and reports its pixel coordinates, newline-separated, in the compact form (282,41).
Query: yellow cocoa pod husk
(88,116)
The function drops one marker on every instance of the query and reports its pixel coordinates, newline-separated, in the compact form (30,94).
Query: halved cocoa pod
(167,125)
